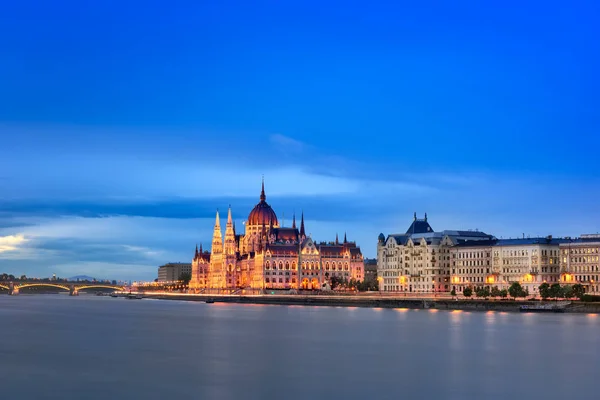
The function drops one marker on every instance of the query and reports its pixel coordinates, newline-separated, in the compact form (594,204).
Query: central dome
(262,213)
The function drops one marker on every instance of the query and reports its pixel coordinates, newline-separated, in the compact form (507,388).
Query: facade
(579,262)
(472,264)
(420,259)
(172,271)
(270,256)
(530,261)
(501,262)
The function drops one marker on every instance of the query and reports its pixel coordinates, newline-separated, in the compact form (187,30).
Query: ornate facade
(270,256)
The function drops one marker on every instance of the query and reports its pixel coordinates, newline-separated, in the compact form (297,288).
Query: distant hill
(82,278)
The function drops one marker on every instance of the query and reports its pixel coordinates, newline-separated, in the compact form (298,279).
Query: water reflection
(164,349)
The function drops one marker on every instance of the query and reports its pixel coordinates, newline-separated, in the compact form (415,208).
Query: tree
(578,290)
(544,290)
(495,292)
(453,292)
(504,293)
(483,292)
(486,292)
(335,282)
(467,292)
(556,291)
(186,277)
(23,277)
(567,291)
(515,290)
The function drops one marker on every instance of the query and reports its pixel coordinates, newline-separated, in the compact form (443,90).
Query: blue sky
(124,125)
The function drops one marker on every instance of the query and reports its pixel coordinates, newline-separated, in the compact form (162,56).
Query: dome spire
(263,197)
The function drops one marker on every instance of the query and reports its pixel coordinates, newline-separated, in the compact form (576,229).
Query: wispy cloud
(285,143)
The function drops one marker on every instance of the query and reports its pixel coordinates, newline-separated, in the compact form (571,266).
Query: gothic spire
(229,235)
(217,242)
(302,233)
(294,221)
(345,240)
(336,239)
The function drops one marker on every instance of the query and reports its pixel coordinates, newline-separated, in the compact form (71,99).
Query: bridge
(73,288)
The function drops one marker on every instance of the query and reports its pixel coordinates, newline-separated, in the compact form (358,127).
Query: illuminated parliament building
(270,256)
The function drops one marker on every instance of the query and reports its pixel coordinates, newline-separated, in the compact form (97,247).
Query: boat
(541,308)
(134,296)
(209,301)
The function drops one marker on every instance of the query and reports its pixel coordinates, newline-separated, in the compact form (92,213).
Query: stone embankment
(375,302)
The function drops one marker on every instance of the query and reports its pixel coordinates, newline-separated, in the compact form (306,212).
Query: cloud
(11,243)
(286,143)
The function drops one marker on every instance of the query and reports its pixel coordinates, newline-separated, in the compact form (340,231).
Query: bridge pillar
(73,291)
(12,289)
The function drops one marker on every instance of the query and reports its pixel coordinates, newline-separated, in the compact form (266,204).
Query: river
(89,347)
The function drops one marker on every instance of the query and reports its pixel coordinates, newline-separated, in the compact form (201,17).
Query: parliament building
(270,256)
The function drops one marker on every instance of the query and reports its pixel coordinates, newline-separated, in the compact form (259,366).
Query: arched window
(327,265)
(293,265)
(346,267)
(268,265)
(287,265)
(280,264)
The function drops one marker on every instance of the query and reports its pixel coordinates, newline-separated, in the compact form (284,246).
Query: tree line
(547,291)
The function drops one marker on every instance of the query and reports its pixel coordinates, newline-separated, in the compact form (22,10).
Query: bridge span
(73,288)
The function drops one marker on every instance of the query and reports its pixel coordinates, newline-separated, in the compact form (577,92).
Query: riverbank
(375,302)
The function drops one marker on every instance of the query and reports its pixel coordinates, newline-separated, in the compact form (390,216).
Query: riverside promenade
(373,301)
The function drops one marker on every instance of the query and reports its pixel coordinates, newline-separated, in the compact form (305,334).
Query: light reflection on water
(170,349)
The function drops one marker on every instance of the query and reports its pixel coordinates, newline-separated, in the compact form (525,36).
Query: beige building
(500,262)
(530,261)
(472,265)
(270,256)
(172,271)
(579,262)
(420,259)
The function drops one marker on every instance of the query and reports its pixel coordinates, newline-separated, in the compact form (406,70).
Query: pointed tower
(294,221)
(302,233)
(201,248)
(229,235)
(196,254)
(217,241)
(263,197)
(337,241)
(345,240)
(216,275)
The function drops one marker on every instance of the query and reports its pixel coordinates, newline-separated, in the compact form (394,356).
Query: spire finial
(263,197)
(425,217)
(302,232)
(345,240)
(337,241)
(415,216)
(294,220)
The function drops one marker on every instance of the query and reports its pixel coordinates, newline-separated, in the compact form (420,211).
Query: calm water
(55,346)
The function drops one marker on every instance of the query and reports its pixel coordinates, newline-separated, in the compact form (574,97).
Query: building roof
(530,241)
(419,226)
(283,249)
(286,234)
